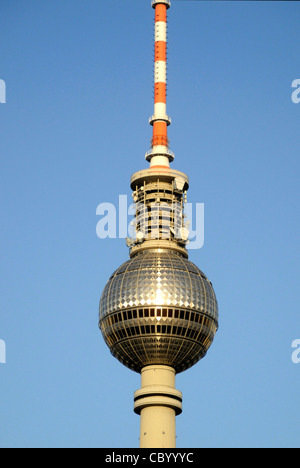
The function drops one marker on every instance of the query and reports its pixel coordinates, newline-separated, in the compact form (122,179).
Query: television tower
(158,311)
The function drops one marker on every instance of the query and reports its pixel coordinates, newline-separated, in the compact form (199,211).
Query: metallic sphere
(158,308)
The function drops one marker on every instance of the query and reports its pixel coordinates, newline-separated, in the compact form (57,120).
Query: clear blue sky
(74,128)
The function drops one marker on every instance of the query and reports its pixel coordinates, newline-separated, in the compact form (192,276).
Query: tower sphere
(158,308)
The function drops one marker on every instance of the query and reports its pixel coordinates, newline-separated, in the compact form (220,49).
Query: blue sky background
(74,128)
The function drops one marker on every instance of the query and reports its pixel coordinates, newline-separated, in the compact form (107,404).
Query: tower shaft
(158,403)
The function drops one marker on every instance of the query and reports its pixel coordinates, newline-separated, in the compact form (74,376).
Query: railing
(166,152)
(164,118)
(155,2)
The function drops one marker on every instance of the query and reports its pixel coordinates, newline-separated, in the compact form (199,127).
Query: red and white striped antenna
(160,154)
